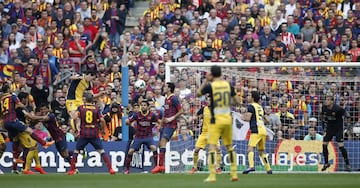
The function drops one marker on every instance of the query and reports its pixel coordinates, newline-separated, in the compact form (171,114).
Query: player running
(172,111)
(254,116)
(90,118)
(332,116)
(145,121)
(220,93)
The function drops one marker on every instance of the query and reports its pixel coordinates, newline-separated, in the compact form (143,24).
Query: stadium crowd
(44,42)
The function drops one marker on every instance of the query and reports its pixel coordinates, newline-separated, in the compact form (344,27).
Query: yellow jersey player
(2,148)
(220,93)
(202,140)
(254,116)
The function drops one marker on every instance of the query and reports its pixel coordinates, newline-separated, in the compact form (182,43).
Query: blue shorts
(95,142)
(61,145)
(136,143)
(14,128)
(167,133)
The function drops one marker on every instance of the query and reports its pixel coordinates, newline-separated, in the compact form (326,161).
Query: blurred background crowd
(44,42)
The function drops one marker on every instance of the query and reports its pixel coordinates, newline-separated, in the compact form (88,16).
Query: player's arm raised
(35,117)
(203,88)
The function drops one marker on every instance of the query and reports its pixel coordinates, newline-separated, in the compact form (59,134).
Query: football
(140,84)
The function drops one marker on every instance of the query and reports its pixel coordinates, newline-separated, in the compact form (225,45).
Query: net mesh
(292,98)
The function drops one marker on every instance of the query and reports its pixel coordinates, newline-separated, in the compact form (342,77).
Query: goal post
(292,95)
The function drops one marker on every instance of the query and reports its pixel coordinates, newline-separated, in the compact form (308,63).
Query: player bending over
(332,116)
(254,116)
(220,93)
(145,121)
(90,118)
(202,141)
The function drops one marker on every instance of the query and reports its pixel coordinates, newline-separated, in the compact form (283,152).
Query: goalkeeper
(332,117)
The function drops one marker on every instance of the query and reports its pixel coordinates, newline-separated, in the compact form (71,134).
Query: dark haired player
(11,122)
(145,121)
(255,117)
(221,93)
(56,133)
(172,111)
(332,116)
(90,118)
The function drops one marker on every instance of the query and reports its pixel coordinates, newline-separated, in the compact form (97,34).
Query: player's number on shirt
(89,116)
(5,106)
(222,99)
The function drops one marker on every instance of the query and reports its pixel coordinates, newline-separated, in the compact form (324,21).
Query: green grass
(179,181)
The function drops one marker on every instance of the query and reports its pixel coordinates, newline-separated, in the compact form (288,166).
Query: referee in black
(332,116)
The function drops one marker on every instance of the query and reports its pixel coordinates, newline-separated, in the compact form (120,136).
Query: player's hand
(168,120)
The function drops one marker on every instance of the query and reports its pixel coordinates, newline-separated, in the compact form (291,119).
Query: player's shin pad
(212,157)
(251,159)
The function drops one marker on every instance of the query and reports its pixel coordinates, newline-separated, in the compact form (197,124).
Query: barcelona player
(145,121)
(172,110)
(56,133)
(221,93)
(255,117)
(90,118)
(2,148)
(202,141)
(11,123)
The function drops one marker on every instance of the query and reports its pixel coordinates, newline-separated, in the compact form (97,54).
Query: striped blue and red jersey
(172,107)
(53,128)
(144,124)
(8,102)
(90,117)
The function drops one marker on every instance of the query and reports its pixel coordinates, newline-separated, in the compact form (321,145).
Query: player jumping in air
(172,111)
(90,118)
(145,121)
(332,116)
(254,116)
(221,93)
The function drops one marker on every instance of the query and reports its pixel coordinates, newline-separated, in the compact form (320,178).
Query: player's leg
(165,136)
(327,138)
(227,141)
(150,143)
(16,150)
(61,147)
(253,141)
(80,145)
(218,158)
(97,144)
(135,145)
(201,143)
(23,128)
(214,135)
(2,145)
(340,140)
(262,154)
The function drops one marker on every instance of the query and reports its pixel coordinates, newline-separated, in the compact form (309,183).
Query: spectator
(313,135)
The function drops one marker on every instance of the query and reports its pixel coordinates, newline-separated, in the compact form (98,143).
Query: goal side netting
(292,96)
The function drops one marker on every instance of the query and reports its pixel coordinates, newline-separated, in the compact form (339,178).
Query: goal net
(292,95)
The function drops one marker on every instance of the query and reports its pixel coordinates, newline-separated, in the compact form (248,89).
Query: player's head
(90,75)
(42,108)
(170,86)
(144,105)
(88,97)
(23,97)
(6,88)
(329,100)
(215,71)
(254,96)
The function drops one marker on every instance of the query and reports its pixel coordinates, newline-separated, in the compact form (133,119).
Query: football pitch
(179,181)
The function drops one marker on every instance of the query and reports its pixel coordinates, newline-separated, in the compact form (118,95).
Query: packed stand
(49,41)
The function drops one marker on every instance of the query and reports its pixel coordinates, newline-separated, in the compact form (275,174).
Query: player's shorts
(330,133)
(137,142)
(166,132)
(258,140)
(95,142)
(202,141)
(2,140)
(73,105)
(61,145)
(222,128)
(26,140)
(14,128)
